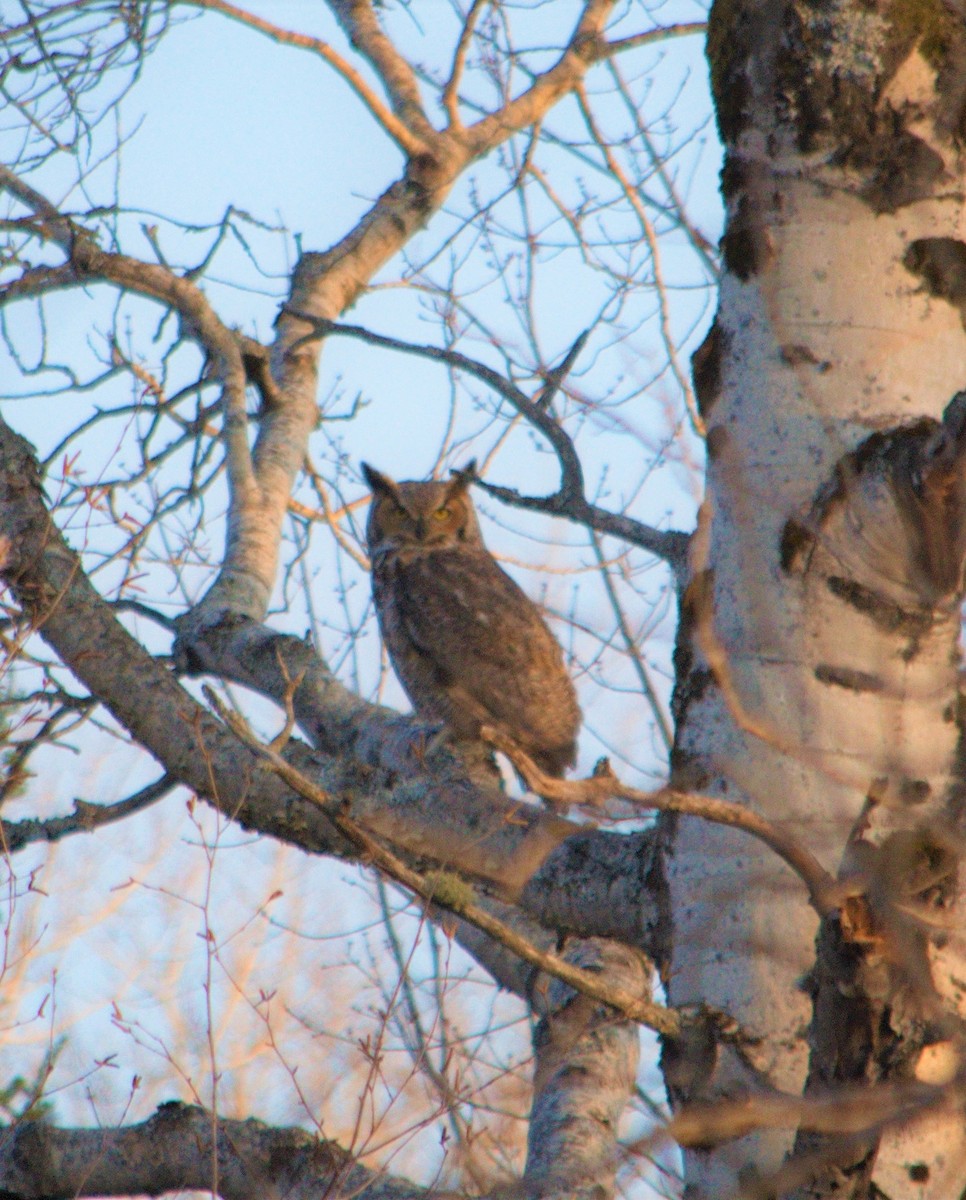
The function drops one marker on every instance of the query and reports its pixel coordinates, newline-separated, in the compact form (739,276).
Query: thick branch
(586,46)
(421,803)
(325,285)
(452,895)
(177,1150)
(586,1067)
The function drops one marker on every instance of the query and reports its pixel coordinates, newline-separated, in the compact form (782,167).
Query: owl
(469,647)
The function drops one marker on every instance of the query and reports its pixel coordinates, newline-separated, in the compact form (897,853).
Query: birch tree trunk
(818,652)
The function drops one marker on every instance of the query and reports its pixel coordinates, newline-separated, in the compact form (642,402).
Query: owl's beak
(421,528)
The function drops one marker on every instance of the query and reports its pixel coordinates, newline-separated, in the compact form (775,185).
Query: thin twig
(650,237)
(824,892)
(558,374)
(14,835)
(451,105)
(633,649)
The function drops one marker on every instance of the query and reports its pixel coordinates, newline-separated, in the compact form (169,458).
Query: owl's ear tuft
(381,484)
(462,478)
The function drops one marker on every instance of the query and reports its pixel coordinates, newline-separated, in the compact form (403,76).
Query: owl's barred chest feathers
(405,575)
(469,647)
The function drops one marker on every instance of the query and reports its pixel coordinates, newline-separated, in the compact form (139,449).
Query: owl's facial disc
(414,515)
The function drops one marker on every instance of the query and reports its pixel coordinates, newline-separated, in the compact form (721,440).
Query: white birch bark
(819,643)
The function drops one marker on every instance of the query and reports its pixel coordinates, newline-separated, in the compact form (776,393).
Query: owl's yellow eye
(441,514)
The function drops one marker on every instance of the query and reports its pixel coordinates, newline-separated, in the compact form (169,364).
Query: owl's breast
(471,649)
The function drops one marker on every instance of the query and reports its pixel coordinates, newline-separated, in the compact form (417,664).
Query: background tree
(191,505)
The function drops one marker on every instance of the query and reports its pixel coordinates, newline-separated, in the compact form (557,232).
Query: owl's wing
(461,607)
(489,650)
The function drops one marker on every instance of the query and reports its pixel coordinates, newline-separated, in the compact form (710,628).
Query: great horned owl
(468,645)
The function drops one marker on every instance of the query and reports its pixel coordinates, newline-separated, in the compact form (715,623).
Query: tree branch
(400,132)
(662,34)
(363,30)
(585,47)
(14,835)
(584,1075)
(173,1151)
(824,892)
(450,893)
(569,500)
(451,91)
(650,237)
(421,803)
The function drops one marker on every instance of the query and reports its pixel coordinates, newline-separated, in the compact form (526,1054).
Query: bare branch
(174,1150)
(358,19)
(401,132)
(14,835)
(38,281)
(824,892)
(846,1110)
(451,90)
(88,263)
(555,377)
(450,893)
(662,34)
(56,227)
(585,47)
(569,501)
(650,237)
(631,644)
(584,1074)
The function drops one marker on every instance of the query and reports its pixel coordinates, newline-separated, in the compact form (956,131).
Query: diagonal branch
(400,132)
(450,893)
(358,19)
(569,500)
(824,892)
(14,835)
(662,34)
(585,47)
(254,479)
(56,227)
(419,802)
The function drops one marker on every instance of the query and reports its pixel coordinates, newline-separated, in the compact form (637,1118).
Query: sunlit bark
(818,654)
